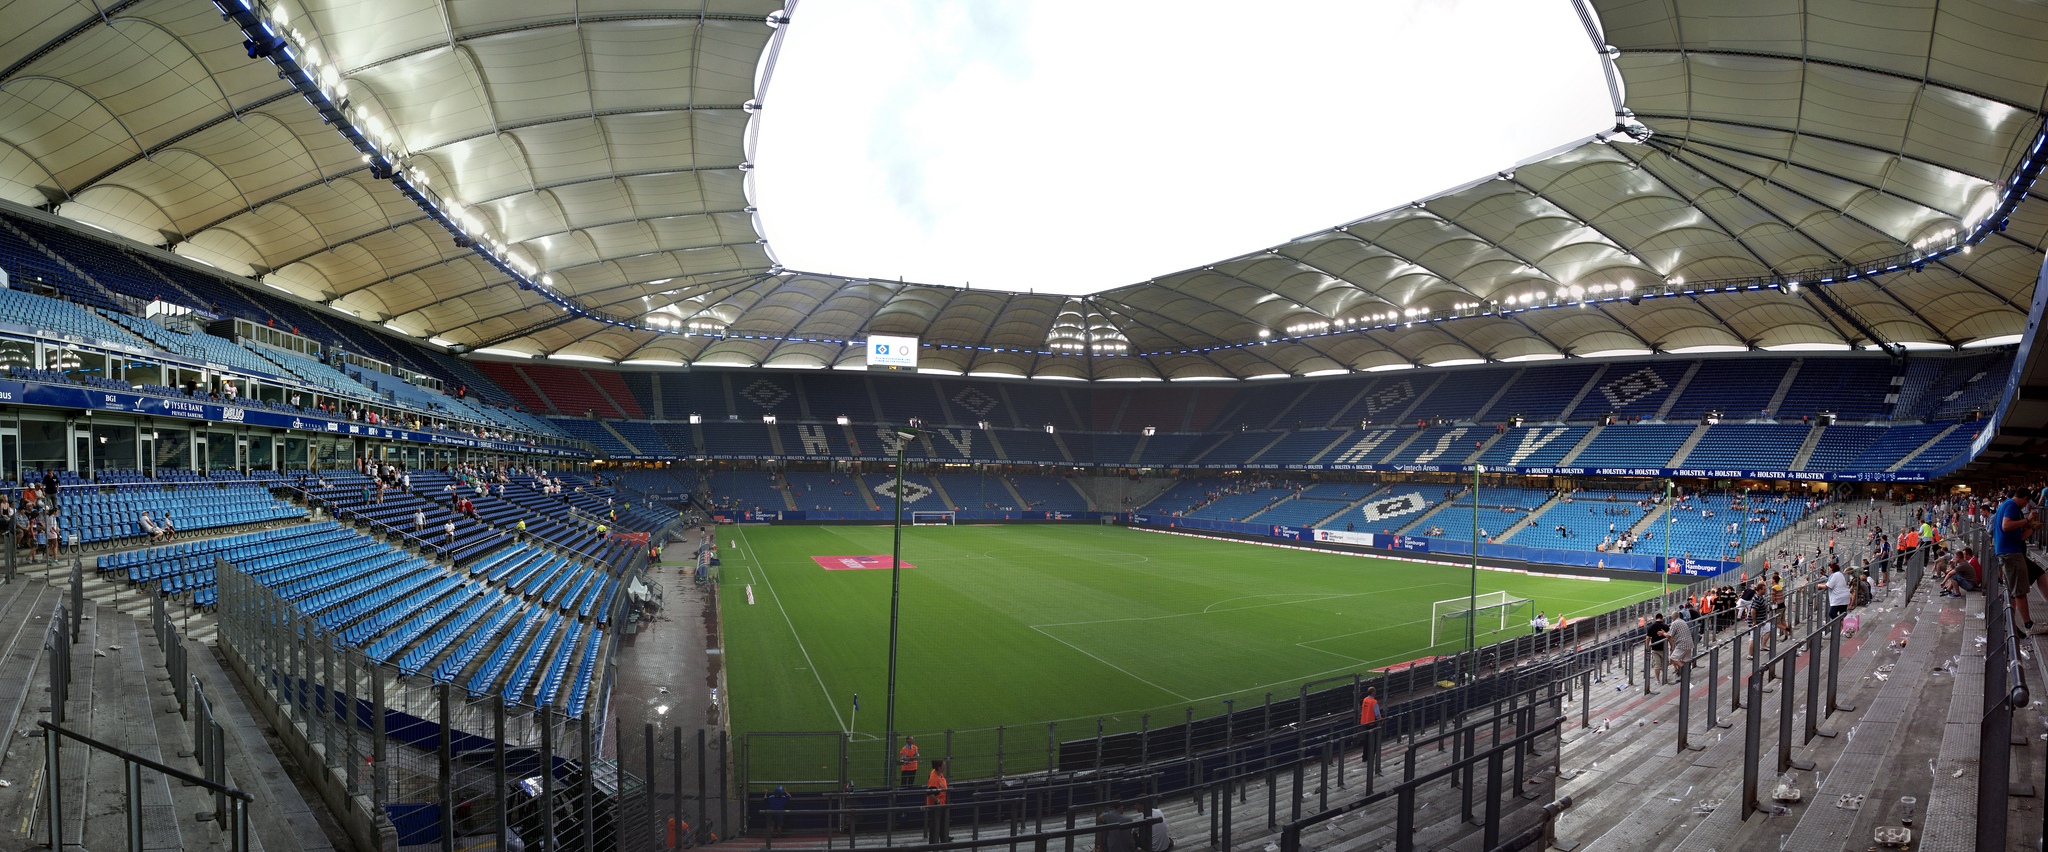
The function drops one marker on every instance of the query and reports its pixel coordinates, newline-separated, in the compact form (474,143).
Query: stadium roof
(598,150)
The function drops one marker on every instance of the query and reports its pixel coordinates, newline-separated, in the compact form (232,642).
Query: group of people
(33,518)
(1674,644)
(1248,485)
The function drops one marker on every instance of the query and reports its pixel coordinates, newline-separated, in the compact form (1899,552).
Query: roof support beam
(517,333)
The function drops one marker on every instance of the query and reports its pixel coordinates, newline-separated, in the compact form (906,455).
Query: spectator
(778,807)
(149,527)
(1115,835)
(1837,587)
(1656,638)
(1681,643)
(1161,840)
(935,797)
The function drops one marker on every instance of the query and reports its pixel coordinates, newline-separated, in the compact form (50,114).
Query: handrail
(1038,839)
(132,757)
(235,821)
(1290,834)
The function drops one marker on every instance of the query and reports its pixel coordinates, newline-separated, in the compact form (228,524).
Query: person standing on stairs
(2016,519)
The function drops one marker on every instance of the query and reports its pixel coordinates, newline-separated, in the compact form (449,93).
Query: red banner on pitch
(857,563)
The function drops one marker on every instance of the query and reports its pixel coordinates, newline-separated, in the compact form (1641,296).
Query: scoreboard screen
(892,353)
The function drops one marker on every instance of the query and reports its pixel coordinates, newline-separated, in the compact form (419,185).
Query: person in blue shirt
(2015,519)
(778,807)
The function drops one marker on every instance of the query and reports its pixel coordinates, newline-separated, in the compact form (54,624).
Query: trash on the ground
(1894,836)
(1849,803)
(1787,793)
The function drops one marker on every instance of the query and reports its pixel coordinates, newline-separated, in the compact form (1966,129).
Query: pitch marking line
(1127,672)
(1211,609)
(798,637)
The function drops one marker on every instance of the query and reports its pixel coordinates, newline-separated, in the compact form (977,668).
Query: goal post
(922,518)
(1492,610)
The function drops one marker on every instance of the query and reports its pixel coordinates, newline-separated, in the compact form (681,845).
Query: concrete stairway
(120,695)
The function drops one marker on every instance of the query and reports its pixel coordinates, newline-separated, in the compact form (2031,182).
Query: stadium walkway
(675,661)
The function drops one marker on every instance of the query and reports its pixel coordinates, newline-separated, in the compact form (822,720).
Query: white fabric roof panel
(604,142)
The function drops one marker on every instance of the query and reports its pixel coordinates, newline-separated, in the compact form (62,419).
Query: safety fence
(829,761)
(416,760)
(1486,753)
(1032,773)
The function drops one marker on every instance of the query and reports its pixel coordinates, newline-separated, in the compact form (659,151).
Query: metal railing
(433,762)
(1301,765)
(1478,768)
(1151,738)
(2005,691)
(233,817)
(230,805)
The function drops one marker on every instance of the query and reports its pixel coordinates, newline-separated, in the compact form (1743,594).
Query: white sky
(1069,146)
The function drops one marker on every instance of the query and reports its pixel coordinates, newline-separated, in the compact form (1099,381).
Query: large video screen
(892,353)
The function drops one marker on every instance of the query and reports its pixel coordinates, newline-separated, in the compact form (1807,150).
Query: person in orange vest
(935,798)
(906,760)
(1369,719)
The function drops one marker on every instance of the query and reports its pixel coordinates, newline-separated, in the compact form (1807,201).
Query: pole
(903,437)
(1472,602)
(1664,570)
(1742,531)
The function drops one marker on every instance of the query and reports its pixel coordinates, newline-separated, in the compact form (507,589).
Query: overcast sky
(1067,146)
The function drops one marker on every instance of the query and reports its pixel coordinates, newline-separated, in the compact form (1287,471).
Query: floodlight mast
(1472,602)
(904,435)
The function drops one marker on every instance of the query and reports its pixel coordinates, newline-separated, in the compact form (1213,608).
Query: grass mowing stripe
(762,570)
(1127,672)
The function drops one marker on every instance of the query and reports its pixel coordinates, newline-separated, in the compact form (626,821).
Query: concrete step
(125,718)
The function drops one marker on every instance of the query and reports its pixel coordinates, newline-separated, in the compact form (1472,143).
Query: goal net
(1493,611)
(917,518)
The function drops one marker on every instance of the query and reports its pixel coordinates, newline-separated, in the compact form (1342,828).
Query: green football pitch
(1021,625)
